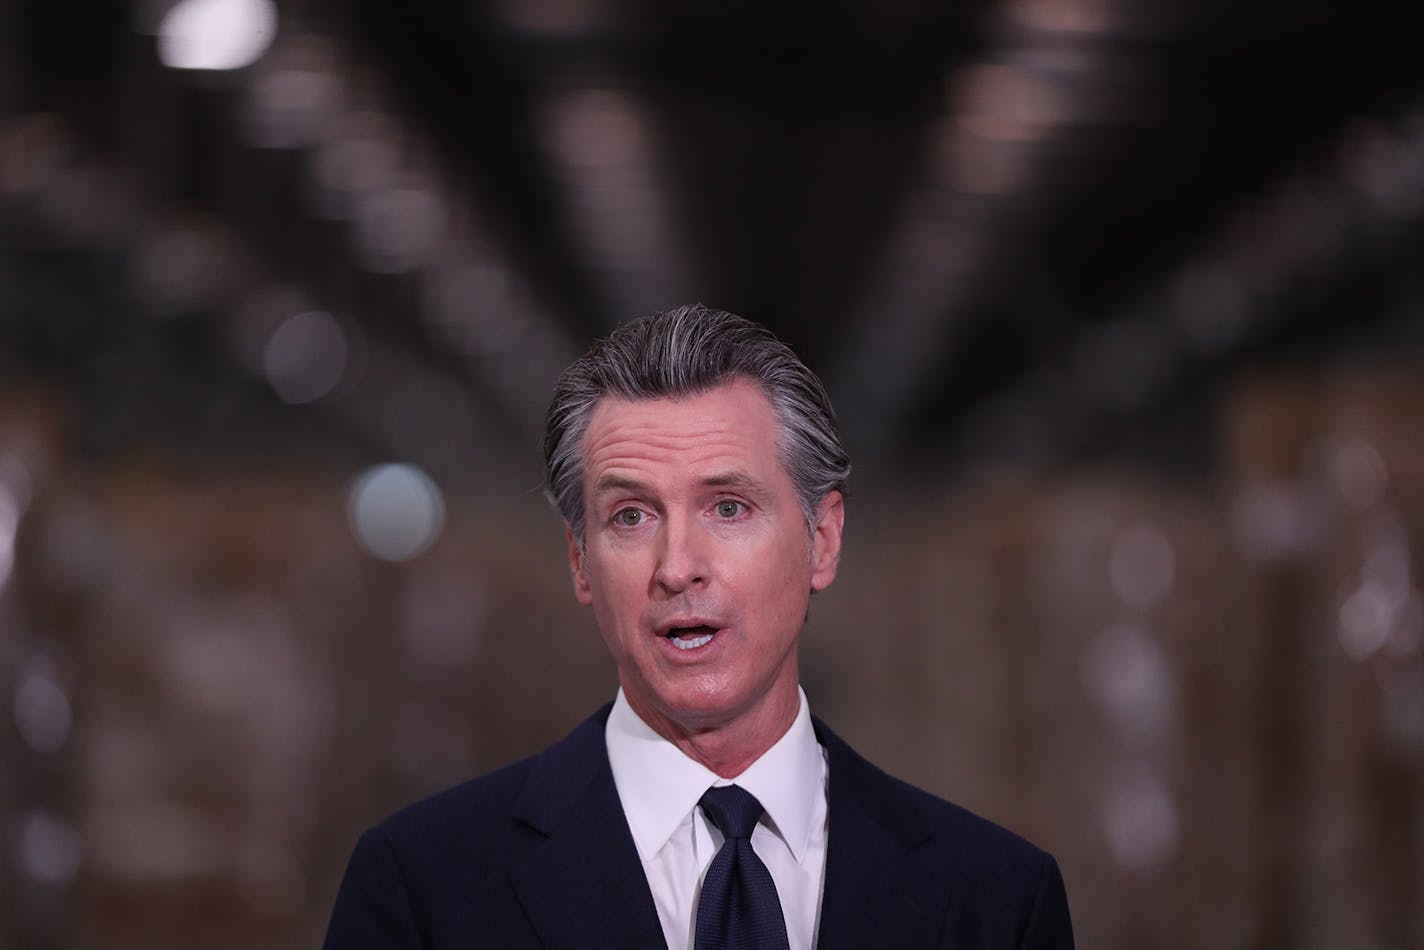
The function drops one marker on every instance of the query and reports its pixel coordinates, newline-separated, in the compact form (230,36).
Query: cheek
(615,598)
(783,581)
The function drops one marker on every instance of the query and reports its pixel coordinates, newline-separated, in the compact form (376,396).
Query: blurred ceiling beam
(933,204)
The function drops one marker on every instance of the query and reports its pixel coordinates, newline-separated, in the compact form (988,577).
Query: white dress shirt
(659,787)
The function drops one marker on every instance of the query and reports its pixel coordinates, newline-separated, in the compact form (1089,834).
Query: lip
(679,623)
(685,653)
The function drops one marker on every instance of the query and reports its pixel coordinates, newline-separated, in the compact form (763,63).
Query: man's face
(697,558)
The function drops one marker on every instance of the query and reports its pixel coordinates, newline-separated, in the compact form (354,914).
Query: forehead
(733,422)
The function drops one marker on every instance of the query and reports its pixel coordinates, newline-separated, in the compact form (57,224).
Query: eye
(728,508)
(628,517)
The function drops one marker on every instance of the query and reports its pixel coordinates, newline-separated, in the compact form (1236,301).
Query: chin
(696,708)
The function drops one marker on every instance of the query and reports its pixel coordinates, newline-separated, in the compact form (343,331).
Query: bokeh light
(1127,673)
(1385,604)
(48,849)
(216,34)
(396,511)
(306,356)
(1140,818)
(43,717)
(1007,237)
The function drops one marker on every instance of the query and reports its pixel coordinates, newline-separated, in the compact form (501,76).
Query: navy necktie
(739,908)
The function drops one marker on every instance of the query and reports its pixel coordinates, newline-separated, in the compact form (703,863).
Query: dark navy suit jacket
(538,855)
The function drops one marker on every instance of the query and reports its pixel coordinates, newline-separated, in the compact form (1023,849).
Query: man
(699,471)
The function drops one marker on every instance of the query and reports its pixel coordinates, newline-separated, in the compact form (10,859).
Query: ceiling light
(216,34)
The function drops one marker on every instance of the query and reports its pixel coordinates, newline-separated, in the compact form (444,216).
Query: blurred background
(1122,305)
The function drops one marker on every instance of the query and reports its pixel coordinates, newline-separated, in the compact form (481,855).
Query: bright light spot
(42,712)
(306,357)
(48,849)
(1140,819)
(396,511)
(216,34)
(1143,566)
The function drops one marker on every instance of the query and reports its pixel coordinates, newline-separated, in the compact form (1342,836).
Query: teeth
(692,644)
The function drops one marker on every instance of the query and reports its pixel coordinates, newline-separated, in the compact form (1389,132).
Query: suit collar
(584,886)
(659,784)
(881,887)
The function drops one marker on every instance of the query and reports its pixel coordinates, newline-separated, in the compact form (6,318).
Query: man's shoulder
(992,887)
(914,815)
(491,794)
(530,791)
(442,865)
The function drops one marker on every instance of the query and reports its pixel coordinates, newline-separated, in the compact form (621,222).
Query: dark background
(1121,306)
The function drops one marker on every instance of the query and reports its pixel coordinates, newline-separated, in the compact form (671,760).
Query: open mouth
(690,638)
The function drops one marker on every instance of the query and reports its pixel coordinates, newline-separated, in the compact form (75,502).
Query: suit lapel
(880,890)
(584,886)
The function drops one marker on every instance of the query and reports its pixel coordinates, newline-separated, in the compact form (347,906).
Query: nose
(682,557)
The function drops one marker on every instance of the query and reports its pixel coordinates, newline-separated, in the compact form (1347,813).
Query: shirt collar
(659,786)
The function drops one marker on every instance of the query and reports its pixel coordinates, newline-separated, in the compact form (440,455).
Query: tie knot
(733,809)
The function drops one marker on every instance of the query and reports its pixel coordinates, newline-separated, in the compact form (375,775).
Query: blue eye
(729,509)
(628,517)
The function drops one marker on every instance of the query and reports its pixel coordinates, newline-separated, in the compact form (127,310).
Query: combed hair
(684,352)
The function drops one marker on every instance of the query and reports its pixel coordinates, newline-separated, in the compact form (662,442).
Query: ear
(826,540)
(581,588)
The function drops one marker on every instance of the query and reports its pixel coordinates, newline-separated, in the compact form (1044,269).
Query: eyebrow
(609,483)
(733,479)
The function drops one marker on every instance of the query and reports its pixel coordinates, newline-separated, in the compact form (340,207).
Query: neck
(727,748)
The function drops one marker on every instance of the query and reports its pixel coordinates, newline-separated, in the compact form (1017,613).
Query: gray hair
(684,352)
